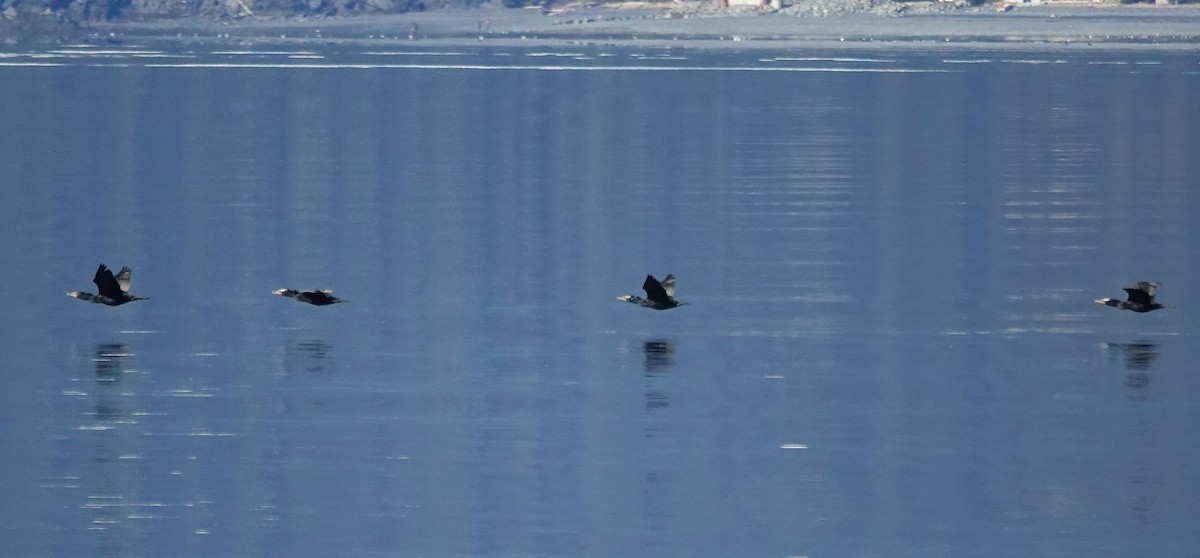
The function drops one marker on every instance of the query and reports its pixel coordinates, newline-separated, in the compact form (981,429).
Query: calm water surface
(891,347)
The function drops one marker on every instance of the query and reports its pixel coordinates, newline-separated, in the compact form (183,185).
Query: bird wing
(669,285)
(123,278)
(1149,287)
(106,284)
(654,290)
(1138,296)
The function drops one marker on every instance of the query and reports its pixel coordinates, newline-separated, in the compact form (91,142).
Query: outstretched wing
(123,279)
(1139,296)
(1149,287)
(668,285)
(654,290)
(106,284)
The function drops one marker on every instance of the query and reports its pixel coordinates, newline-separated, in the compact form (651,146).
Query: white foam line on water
(103,52)
(1023,61)
(480,67)
(832,59)
(413,53)
(198,434)
(261,52)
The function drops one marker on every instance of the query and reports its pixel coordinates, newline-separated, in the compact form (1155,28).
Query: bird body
(323,297)
(1139,298)
(112,290)
(659,295)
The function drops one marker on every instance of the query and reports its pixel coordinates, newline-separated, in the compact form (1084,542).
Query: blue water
(891,346)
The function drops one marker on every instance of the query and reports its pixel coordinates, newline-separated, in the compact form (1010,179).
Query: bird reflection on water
(1139,357)
(659,358)
(109,366)
(660,478)
(310,357)
(108,475)
(660,355)
(305,366)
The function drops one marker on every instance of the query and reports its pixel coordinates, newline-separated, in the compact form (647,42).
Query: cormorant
(113,291)
(323,297)
(1140,298)
(659,296)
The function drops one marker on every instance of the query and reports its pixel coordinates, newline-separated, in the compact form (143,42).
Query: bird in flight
(323,297)
(112,290)
(659,295)
(1140,298)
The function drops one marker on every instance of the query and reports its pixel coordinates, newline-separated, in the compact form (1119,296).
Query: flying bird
(659,296)
(1140,298)
(112,290)
(323,297)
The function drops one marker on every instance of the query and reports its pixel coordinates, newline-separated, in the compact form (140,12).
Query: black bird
(659,296)
(113,291)
(1140,298)
(323,297)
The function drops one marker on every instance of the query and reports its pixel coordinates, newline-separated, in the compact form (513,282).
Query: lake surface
(891,346)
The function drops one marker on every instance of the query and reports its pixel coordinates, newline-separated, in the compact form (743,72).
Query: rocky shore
(697,22)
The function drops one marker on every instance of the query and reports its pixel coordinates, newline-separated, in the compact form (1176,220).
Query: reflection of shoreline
(1039,27)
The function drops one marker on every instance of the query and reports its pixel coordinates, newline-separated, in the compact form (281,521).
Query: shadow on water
(659,359)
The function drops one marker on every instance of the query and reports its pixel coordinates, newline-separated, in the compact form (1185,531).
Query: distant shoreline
(1174,27)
